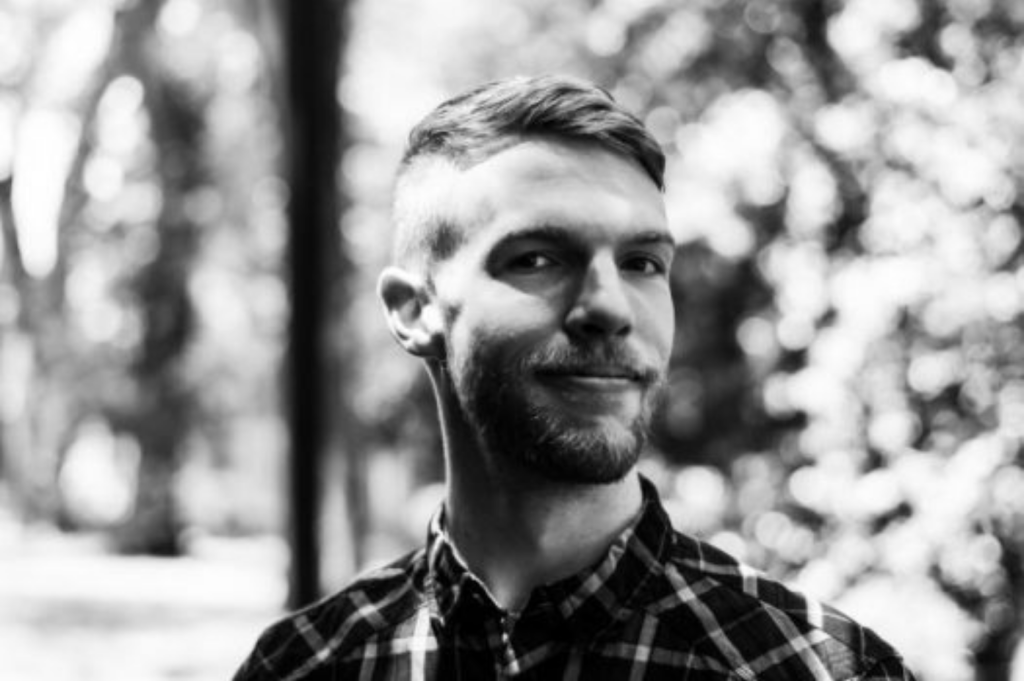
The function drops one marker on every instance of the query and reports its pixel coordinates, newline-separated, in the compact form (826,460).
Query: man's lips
(594,377)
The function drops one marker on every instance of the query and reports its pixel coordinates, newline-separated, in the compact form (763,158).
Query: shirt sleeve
(256,667)
(888,669)
(285,650)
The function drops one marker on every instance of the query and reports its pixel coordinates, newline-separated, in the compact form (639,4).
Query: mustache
(606,358)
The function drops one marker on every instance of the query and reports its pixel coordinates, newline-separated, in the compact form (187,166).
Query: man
(531,277)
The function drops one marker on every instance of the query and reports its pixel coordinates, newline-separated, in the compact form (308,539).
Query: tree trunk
(320,420)
(160,420)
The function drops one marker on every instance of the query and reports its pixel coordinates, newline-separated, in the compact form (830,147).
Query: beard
(554,443)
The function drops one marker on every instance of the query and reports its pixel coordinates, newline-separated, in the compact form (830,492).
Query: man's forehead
(539,159)
(536,158)
(560,179)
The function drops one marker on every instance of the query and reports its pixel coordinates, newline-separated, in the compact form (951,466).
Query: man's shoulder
(377,601)
(745,615)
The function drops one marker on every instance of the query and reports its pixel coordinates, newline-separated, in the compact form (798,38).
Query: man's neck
(517,532)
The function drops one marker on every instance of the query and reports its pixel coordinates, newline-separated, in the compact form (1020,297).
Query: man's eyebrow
(654,237)
(542,232)
(558,234)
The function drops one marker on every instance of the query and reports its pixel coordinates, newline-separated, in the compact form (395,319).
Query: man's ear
(412,312)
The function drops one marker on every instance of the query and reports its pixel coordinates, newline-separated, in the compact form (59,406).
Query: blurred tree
(326,435)
(42,393)
(156,413)
(142,255)
(161,420)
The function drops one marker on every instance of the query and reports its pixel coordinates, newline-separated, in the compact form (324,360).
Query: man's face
(558,314)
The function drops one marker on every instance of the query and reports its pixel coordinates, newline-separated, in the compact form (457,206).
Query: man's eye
(645,265)
(531,261)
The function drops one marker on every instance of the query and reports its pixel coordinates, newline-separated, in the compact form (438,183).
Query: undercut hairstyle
(474,126)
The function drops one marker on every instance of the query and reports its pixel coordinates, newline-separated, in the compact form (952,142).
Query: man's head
(533,275)
(474,126)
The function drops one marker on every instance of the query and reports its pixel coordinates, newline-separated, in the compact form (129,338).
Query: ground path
(69,611)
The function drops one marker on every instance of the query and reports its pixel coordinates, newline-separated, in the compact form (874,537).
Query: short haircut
(471,127)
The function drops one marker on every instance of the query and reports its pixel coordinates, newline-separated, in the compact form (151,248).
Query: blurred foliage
(846,403)
(141,302)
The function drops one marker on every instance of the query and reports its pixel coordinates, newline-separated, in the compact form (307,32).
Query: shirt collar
(582,605)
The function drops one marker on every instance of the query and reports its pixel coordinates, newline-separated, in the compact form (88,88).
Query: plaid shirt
(660,605)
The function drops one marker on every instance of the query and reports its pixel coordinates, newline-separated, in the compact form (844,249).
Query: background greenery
(847,396)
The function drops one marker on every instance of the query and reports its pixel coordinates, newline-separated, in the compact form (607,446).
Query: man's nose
(601,306)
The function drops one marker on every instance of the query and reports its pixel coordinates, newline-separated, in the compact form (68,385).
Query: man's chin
(569,453)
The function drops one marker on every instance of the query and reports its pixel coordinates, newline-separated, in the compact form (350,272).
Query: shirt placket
(506,658)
